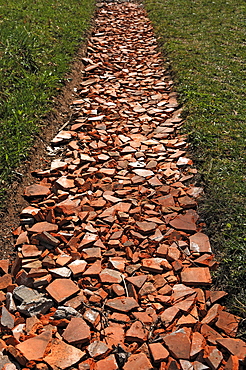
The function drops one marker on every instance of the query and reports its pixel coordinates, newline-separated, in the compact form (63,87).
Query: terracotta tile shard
(62,272)
(146,227)
(114,334)
(77,267)
(117,262)
(196,276)
(216,295)
(136,333)
(210,334)
(236,347)
(37,191)
(137,281)
(212,314)
(4,266)
(213,357)
(63,355)
(181,291)
(199,366)
(138,361)
(65,183)
(41,227)
(154,181)
(109,363)
(228,323)
(68,207)
(178,343)
(232,363)
(147,288)
(185,222)
(5,281)
(62,289)
(143,317)
(152,264)
(158,352)
(199,242)
(186,365)
(97,349)
(57,164)
(88,239)
(165,201)
(111,198)
(110,276)
(198,343)
(187,202)
(143,173)
(47,238)
(94,269)
(77,331)
(34,348)
(91,254)
(169,315)
(122,304)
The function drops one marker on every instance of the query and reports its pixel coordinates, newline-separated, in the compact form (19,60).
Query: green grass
(38,39)
(204,43)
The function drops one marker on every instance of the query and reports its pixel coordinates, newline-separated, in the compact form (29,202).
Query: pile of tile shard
(113,268)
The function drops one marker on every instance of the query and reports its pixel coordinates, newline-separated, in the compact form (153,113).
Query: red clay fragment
(199,242)
(236,347)
(232,363)
(158,352)
(122,304)
(34,348)
(138,361)
(136,333)
(37,190)
(185,222)
(109,363)
(196,276)
(63,355)
(62,289)
(40,227)
(77,331)
(178,344)
(213,357)
(228,323)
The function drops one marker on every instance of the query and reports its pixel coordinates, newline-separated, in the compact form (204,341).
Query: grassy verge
(38,39)
(204,42)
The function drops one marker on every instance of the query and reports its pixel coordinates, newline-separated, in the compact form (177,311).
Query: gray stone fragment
(35,306)
(25,294)
(7,319)
(3,360)
(32,302)
(10,303)
(64,312)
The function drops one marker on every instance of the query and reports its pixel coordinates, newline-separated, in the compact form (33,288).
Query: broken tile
(77,331)
(63,355)
(122,304)
(62,289)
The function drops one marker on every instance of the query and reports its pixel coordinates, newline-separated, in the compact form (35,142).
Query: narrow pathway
(113,269)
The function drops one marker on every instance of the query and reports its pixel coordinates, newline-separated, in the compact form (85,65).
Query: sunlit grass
(38,40)
(204,42)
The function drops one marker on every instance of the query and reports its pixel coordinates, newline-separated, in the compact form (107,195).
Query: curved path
(113,269)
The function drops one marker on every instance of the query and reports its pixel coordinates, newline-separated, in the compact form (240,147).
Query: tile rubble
(111,256)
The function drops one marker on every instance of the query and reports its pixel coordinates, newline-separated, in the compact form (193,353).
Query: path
(111,253)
